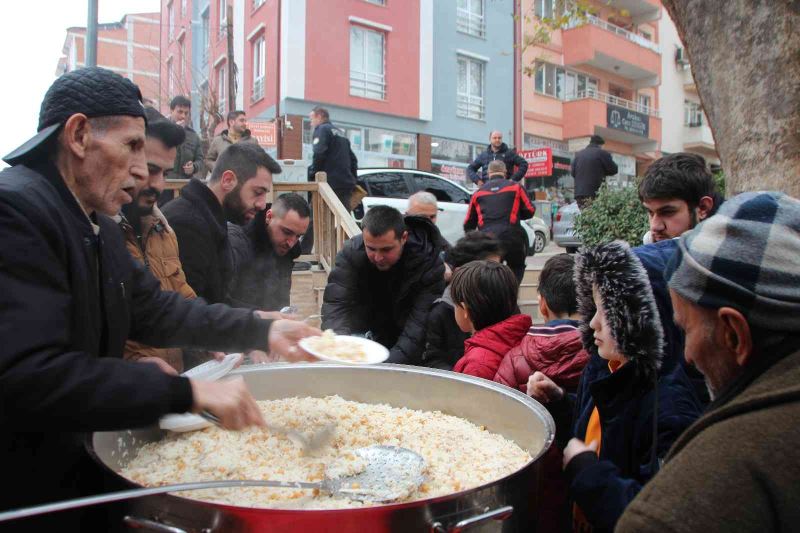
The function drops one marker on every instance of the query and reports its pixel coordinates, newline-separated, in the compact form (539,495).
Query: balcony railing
(470,107)
(614,100)
(367,85)
(258,90)
(613,28)
(470,23)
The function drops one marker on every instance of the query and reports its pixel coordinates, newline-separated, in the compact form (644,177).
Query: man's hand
(480,183)
(228,400)
(543,389)
(188,168)
(448,273)
(259,357)
(275,315)
(576,447)
(160,363)
(284,336)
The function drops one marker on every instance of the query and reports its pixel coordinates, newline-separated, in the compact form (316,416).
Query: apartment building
(598,75)
(129,47)
(373,64)
(688,129)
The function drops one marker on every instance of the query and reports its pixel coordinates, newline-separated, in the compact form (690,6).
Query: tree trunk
(745,57)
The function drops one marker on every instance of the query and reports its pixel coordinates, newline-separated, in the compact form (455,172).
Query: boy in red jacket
(485,298)
(554,349)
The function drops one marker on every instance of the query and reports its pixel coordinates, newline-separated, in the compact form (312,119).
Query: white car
(393,186)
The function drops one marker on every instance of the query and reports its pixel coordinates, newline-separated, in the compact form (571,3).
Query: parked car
(564,228)
(393,186)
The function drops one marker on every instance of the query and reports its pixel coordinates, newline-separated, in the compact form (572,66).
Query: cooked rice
(459,455)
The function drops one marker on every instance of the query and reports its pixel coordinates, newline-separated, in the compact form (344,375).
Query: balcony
(595,113)
(598,43)
(698,138)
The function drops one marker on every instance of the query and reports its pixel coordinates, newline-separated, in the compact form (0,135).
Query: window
(643,102)
(206,31)
(377,2)
(692,114)
(222,88)
(182,53)
(443,190)
(548,9)
(563,84)
(470,19)
(259,66)
(223,17)
(471,73)
(171,21)
(171,77)
(257,4)
(387,185)
(367,77)
(183,8)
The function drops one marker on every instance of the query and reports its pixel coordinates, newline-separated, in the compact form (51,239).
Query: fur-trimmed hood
(628,303)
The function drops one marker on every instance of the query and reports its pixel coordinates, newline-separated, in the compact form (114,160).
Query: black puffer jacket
(477,169)
(392,305)
(202,231)
(262,279)
(444,341)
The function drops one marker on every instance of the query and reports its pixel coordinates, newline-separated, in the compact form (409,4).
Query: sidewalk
(537,261)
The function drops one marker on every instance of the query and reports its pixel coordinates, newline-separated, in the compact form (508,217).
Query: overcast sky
(31,37)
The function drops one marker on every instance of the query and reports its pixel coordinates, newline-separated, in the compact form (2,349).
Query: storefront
(374,147)
(557,184)
(450,158)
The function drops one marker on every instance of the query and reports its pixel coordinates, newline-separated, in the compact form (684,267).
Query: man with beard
(237,132)
(236,192)
(734,287)
(148,237)
(678,192)
(478,170)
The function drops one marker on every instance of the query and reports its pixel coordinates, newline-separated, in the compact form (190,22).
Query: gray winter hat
(628,303)
(744,257)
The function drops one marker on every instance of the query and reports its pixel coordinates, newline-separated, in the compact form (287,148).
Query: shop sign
(452,172)
(264,133)
(540,162)
(628,121)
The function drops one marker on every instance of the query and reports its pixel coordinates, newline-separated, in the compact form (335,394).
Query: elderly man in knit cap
(735,287)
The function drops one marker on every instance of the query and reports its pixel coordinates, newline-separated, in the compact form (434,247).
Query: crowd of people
(671,369)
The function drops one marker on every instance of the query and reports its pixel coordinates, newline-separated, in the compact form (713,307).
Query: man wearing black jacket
(497,150)
(589,168)
(497,208)
(72,295)
(332,155)
(236,192)
(384,283)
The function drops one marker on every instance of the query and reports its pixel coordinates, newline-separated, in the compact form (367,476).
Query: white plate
(213,370)
(375,353)
(208,371)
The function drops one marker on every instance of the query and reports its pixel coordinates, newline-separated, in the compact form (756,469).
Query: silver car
(393,186)
(564,228)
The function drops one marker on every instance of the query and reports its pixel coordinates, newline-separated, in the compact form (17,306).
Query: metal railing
(258,89)
(367,85)
(470,107)
(613,100)
(613,28)
(470,23)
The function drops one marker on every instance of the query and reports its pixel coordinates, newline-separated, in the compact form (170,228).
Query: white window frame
(171,21)
(692,114)
(561,75)
(182,53)
(171,77)
(376,2)
(366,84)
(222,88)
(469,105)
(259,53)
(257,4)
(548,9)
(205,18)
(470,22)
(644,102)
(183,8)
(223,17)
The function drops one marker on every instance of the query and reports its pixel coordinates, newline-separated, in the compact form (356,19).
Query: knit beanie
(744,257)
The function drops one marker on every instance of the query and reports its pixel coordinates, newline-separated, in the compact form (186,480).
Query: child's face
(463,320)
(603,339)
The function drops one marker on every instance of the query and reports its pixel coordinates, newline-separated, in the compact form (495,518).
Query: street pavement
(538,260)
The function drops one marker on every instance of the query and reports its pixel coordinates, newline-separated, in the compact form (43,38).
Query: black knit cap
(92,91)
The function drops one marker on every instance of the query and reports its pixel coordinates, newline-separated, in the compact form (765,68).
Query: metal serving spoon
(389,474)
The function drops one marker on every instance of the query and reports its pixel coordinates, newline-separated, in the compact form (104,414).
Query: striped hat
(745,257)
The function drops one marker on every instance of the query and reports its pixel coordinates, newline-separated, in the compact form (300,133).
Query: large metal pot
(507,504)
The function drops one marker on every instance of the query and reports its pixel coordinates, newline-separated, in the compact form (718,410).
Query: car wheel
(538,243)
(572,249)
